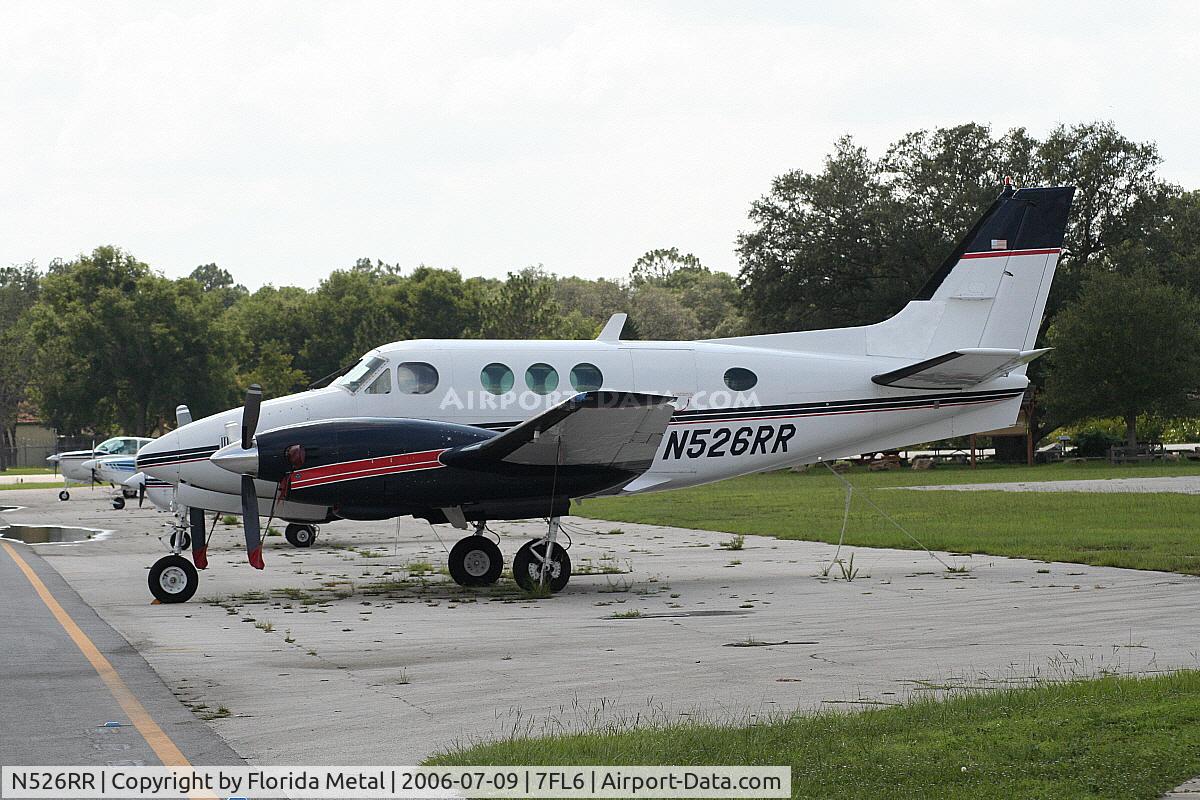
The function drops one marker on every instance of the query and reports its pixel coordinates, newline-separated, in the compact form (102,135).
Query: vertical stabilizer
(992,289)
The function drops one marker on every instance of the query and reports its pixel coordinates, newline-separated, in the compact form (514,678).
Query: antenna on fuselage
(612,329)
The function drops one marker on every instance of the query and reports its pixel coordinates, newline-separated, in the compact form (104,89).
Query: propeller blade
(199,545)
(141,493)
(250,414)
(250,523)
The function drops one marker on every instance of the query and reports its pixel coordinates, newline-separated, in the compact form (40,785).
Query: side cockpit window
(416,377)
(360,373)
(382,384)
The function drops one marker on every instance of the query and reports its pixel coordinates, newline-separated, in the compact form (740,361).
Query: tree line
(104,343)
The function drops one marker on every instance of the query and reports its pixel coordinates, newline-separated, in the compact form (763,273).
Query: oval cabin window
(586,377)
(740,380)
(496,378)
(416,377)
(541,378)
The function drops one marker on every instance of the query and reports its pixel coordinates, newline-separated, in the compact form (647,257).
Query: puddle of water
(50,534)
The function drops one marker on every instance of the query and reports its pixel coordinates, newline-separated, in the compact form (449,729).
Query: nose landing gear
(173,579)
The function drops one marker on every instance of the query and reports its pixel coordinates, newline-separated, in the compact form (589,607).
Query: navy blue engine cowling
(378,468)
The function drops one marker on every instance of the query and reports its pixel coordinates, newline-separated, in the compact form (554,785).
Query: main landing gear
(64,495)
(532,567)
(300,535)
(477,561)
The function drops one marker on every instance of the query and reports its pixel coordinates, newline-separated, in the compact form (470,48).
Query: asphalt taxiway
(360,650)
(73,691)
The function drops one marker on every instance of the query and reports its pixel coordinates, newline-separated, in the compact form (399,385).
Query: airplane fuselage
(740,409)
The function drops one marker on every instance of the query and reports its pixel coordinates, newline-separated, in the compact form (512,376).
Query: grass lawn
(1141,531)
(1112,737)
(27,471)
(30,485)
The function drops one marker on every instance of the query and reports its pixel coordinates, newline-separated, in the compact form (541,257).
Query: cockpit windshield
(360,372)
(120,446)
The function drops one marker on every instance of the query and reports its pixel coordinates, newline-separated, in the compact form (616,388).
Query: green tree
(1119,198)
(1170,244)
(217,281)
(442,305)
(658,314)
(19,287)
(851,244)
(272,370)
(817,252)
(121,346)
(596,300)
(656,266)
(1129,345)
(266,325)
(523,307)
(351,312)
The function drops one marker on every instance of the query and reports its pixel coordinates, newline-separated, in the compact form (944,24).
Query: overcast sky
(283,140)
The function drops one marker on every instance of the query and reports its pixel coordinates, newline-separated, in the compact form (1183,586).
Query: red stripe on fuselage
(366,468)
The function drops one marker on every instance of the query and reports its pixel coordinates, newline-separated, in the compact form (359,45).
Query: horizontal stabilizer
(598,428)
(958,369)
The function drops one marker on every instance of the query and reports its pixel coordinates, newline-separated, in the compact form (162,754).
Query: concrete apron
(340,666)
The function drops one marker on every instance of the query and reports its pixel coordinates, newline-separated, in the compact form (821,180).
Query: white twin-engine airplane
(468,431)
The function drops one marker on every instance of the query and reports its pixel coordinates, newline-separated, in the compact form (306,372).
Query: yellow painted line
(155,736)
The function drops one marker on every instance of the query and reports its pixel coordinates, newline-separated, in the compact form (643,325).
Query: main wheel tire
(118,503)
(300,535)
(187,540)
(527,566)
(476,561)
(173,579)
(64,495)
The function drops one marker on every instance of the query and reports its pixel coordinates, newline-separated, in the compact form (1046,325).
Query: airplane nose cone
(89,464)
(159,458)
(233,458)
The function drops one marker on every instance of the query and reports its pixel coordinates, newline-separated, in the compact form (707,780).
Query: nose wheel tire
(527,566)
(64,495)
(186,540)
(476,561)
(118,503)
(173,579)
(300,535)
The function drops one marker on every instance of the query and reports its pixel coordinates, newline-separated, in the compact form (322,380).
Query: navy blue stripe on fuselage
(176,457)
(834,407)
